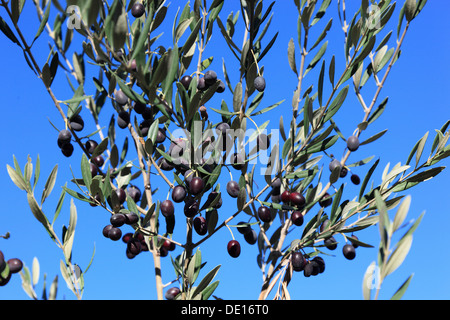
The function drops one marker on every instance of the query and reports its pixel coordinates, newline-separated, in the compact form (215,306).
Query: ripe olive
(251,237)
(186,81)
(297,199)
(167,208)
(349,251)
(77,123)
(15,265)
(233,189)
(330,243)
(264,214)
(137,10)
(200,226)
(178,194)
(196,185)
(298,261)
(64,137)
(353,143)
(297,218)
(191,208)
(172,293)
(210,77)
(260,84)
(114,233)
(234,248)
(117,220)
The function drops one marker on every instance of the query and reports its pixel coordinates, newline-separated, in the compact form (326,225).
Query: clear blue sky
(417,90)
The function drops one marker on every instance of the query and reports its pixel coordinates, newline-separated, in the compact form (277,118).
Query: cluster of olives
(348,250)
(112,230)
(310,267)
(8,267)
(352,145)
(65,136)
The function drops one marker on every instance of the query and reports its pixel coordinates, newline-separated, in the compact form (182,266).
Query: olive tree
(289,198)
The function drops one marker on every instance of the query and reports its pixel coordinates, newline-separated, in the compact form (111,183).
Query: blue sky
(418,103)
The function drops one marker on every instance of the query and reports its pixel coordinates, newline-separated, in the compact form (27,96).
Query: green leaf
(384,223)
(49,184)
(206,280)
(69,235)
(336,104)
(35,271)
(291,56)
(194,266)
(399,255)
(8,32)
(316,58)
(18,180)
(401,291)
(86,171)
(43,22)
(410,9)
(401,213)
(373,138)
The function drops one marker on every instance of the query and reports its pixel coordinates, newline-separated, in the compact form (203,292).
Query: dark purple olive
(67,149)
(264,214)
(210,77)
(114,233)
(106,229)
(349,251)
(330,243)
(297,218)
(200,226)
(90,146)
(237,162)
(298,261)
(134,193)
(94,169)
(196,185)
(64,137)
(117,220)
(353,143)
(134,246)
(77,123)
(121,195)
(126,237)
(221,88)
(191,208)
(355,179)
(234,248)
(297,199)
(137,10)
(15,265)
(354,243)
(139,107)
(123,119)
(286,197)
(121,97)
(251,237)
(98,160)
(131,218)
(320,262)
(172,293)
(326,200)
(167,208)
(260,84)
(233,188)
(178,194)
(186,81)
